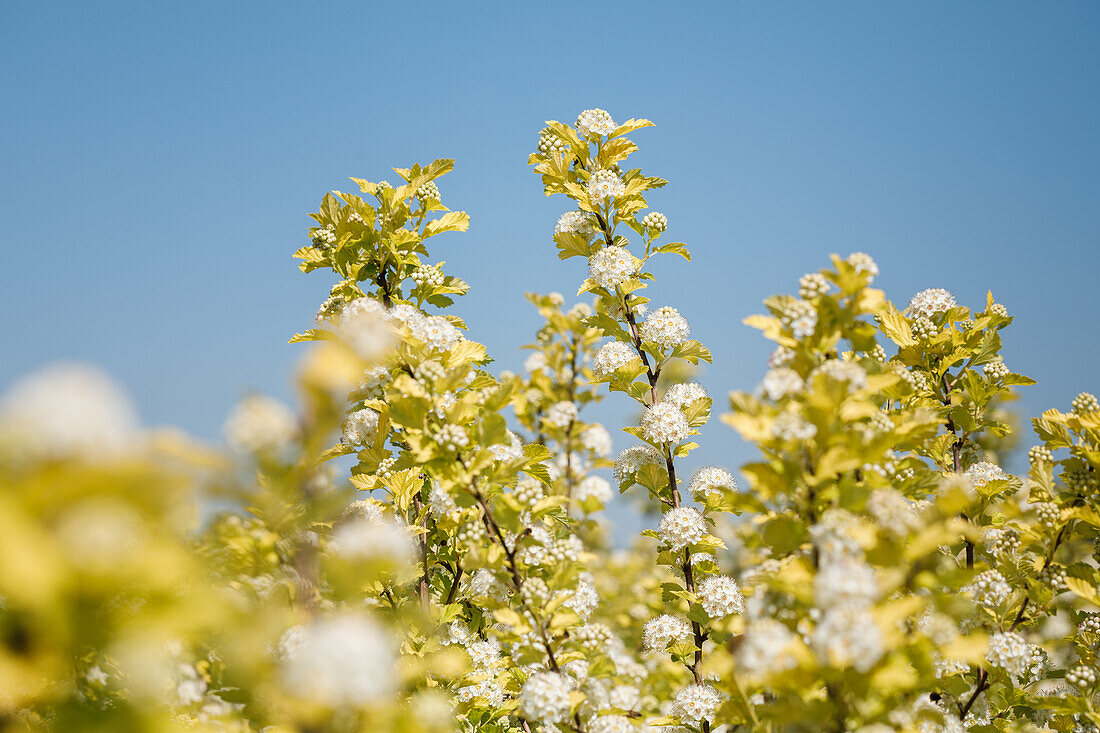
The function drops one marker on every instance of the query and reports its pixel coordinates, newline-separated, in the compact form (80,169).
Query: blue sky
(158,161)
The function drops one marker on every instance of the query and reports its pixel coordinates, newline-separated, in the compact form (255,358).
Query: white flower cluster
(996,369)
(338,660)
(329,309)
(847,636)
(683,394)
(593,487)
(584,598)
(612,266)
(610,358)
(780,382)
(545,697)
(893,512)
(789,426)
(512,451)
(681,526)
(596,439)
(983,472)
(427,275)
(633,459)
(711,479)
(844,371)
(261,425)
(561,414)
(811,285)
(323,237)
(845,588)
(595,122)
(696,703)
(378,541)
(605,185)
(660,631)
(576,222)
(720,596)
(550,143)
(452,437)
(930,302)
(360,428)
(1009,651)
(862,262)
(665,422)
(989,588)
(427,192)
(656,221)
(801,317)
(1085,404)
(766,648)
(366,327)
(665,327)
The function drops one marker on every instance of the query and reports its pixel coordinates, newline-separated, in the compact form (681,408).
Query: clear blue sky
(158,161)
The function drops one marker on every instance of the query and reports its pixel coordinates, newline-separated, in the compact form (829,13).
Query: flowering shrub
(423,544)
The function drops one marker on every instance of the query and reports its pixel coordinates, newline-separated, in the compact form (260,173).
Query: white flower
(596,439)
(612,266)
(486,689)
(788,426)
(658,632)
(484,653)
(721,596)
(452,437)
(612,724)
(711,479)
(801,317)
(781,356)
(655,220)
(1009,651)
(845,580)
(366,327)
(259,424)
(584,598)
(983,472)
(765,649)
(893,512)
(665,423)
(696,703)
(577,222)
(625,697)
(989,588)
(780,382)
(847,636)
(605,185)
(811,285)
(360,428)
(561,414)
(366,509)
(536,362)
(862,262)
(437,332)
(595,122)
(844,371)
(363,539)
(338,660)
(545,697)
(633,459)
(928,303)
(684,393)
(512,451)
(68,409)
(593,487)
(611,357)
(665,327)
(484,583)
(681,526)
